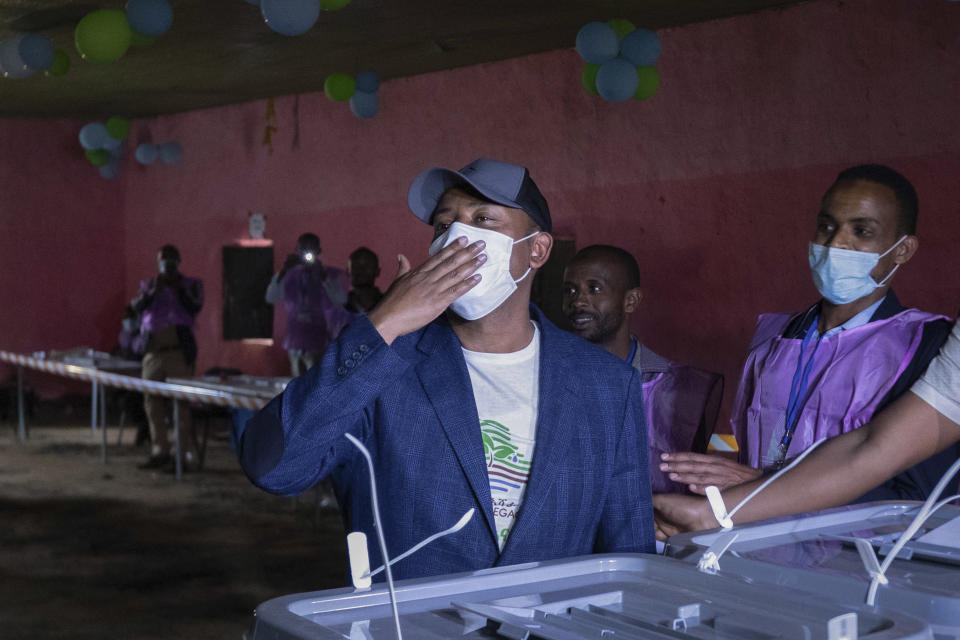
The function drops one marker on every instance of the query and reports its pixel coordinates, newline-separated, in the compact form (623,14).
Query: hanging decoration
(103,35)
(618,60)
(270,125)
(360,92)
(103,144)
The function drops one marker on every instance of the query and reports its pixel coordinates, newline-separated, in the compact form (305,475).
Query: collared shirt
(858,320)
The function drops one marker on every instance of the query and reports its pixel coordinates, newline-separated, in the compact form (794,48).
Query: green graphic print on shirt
(508,468)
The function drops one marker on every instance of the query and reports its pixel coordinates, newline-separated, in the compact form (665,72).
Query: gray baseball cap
(506,184)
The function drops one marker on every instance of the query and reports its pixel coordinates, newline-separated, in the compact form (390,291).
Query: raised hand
(419,295)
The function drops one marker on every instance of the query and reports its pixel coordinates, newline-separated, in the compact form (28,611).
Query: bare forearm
(849,465)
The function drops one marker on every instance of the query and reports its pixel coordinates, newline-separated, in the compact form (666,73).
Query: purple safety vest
(674,404)
(166,309)
(313,319)
(852,372)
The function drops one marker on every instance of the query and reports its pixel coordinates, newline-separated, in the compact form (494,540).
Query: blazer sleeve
(626,524)
(297,439)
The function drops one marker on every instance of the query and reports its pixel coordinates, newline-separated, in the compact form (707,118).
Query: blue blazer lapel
(555,431)
(441,372)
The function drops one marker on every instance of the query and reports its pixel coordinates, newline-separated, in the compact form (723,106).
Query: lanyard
(633,351)
(798,390)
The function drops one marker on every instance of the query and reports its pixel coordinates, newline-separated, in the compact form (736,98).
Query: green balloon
(589,78)
(140,40)
(103,35)
(333,5)
(118,128)
(61,64)
(621,26)
(649,82)
(339,87)
(98,157)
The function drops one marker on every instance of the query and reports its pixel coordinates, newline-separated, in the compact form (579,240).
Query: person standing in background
(313,295)
(168,306)
(364,267)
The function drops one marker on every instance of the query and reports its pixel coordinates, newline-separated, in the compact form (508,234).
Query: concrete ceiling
(221,52)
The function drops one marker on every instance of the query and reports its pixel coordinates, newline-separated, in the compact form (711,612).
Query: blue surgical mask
(843,275)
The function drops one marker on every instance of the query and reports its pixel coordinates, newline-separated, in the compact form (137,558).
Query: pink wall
(61,248)
(713,183)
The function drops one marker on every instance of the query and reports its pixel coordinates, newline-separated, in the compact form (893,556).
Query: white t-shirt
(940,385)
(506,388)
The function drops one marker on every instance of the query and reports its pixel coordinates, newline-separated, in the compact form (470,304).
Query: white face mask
(496,284)
(843,275)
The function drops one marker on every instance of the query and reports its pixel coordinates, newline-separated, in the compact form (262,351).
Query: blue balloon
(149,17)
(597,42)
(36,51)
(93,136)
(146,153)
(617,80)
(11,65)
(290,17)
(364,105)
(171,152)
(640,47)
(110,143)
(368,81)
(109,171)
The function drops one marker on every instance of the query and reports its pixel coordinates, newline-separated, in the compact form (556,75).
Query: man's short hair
(169,251)
(309,239)
(622,257)
(906,195)
(364,251)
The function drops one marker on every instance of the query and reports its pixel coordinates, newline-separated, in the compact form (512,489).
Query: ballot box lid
(817,552)
(635,596)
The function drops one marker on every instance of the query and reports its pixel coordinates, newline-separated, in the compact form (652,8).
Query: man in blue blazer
(468,397)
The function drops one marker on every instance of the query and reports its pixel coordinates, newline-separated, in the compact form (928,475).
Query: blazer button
(349,364)
(341,371)
(363,348)
(356,355)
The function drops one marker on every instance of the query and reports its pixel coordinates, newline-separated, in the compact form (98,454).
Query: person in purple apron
(601,289)
(167,305)
(313,295)
(829,369)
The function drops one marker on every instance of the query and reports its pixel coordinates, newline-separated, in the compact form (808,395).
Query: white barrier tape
(152,387)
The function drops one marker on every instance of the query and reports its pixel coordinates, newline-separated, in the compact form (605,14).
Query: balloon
(36,51)
(290,17)
(364,105)
(147,153)
(648,82)
(61,64)
(621,26)
(93,135)
(11,64)
(589,77)
(109,171)
(97,157)
(149,17)
(171,152)
(140,40)
(118,127)
(368,81)
(103,35)
(597,42)
(333,5)
(617,80)
(111,144)
(641,47)
(339,87)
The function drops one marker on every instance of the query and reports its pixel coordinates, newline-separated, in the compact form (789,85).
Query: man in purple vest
(601,289)
(313,295)
(829,369)
(168,305)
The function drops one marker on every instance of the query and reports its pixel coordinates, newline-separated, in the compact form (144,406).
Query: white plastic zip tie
(461,523)
(379,527)
(927,510)
(359,560)
(710,560)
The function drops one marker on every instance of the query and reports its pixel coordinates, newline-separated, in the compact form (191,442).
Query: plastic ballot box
(818,553)
(609,597)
